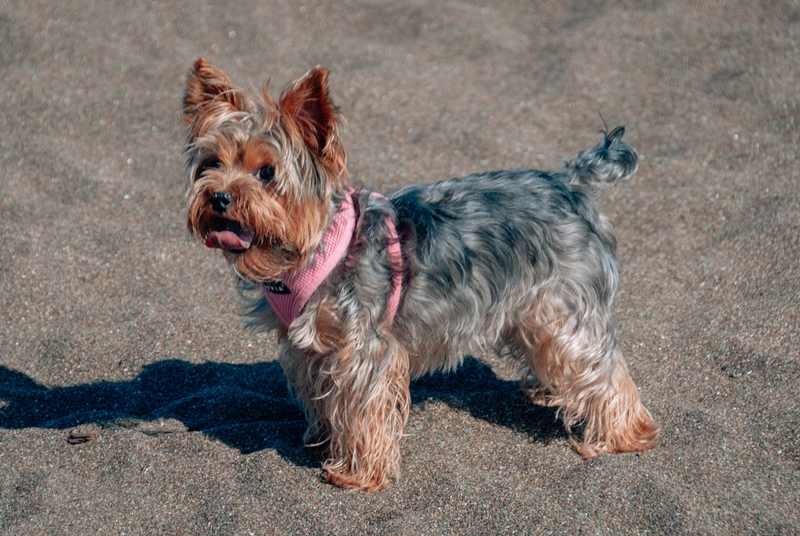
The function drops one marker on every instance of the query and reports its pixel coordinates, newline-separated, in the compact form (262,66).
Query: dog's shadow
(474,387)
(247,407)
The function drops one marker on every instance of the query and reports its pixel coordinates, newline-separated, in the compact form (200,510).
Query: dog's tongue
(230,239)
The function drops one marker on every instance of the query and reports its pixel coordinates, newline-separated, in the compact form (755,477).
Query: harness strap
(288,297)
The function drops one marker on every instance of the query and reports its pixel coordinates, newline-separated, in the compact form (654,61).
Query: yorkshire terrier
(367,291)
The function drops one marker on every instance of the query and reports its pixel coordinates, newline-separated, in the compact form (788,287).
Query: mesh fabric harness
(335,243)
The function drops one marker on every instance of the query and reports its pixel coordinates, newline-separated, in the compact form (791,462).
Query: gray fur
(479,250)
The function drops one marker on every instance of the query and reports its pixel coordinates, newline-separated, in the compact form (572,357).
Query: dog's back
(482,249)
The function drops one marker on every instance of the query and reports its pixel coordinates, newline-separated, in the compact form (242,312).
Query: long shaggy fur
(517,261)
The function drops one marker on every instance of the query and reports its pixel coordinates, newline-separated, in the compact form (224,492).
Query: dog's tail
(603,166)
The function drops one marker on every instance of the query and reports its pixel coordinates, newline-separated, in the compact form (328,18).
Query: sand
(133,401)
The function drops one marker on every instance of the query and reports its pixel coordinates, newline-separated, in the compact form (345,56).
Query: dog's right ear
(209,93)
(308,111)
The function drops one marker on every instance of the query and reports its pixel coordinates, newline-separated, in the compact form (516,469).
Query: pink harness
(298,286)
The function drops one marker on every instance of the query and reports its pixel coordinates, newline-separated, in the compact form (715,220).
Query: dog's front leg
(367,410)
(356,398)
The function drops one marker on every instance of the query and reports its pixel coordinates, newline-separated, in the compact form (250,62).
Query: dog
(367,291)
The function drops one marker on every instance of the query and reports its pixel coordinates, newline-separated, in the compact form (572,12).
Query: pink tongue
(227,240)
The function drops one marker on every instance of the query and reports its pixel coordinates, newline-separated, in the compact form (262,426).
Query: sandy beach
(132,399)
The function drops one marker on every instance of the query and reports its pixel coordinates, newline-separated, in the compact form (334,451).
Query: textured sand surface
(117,327)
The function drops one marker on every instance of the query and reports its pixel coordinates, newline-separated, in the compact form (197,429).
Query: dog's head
(265,176)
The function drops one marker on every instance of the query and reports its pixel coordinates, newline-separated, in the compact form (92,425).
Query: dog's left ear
(209,92)
(307,110)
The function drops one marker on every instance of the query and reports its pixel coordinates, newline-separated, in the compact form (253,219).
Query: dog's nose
(220,201)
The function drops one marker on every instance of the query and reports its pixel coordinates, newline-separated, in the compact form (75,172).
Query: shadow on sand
(248,407)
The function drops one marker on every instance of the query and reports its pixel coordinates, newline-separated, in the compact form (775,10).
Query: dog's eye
(211,163)
(266,174)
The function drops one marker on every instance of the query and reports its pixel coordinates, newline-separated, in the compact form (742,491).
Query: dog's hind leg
(573,363)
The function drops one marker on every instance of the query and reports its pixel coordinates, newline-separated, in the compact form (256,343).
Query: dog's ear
(308,111)
(208,92)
